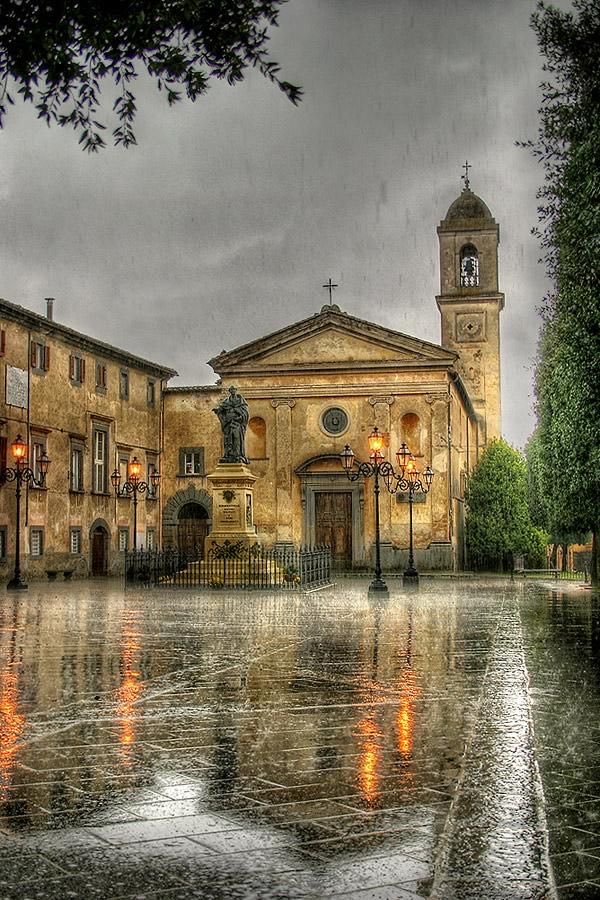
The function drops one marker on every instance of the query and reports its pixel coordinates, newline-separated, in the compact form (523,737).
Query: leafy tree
(544,507)
(568,366)
(498,524)
(58,55)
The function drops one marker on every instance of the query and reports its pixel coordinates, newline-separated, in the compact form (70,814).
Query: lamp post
(134,486)
(19,474)
(408,479)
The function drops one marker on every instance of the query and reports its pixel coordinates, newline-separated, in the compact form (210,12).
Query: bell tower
(470,303)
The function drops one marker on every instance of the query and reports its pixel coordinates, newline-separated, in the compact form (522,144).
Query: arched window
(411,433)
(469,266)
(256,438)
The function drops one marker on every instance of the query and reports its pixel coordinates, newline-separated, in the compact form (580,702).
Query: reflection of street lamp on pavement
(408,480)
(19,474)
(134,486)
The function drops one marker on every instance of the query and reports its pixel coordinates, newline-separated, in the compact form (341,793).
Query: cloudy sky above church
(228,217)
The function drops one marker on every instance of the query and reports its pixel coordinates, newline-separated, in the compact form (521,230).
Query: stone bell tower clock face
(470,303)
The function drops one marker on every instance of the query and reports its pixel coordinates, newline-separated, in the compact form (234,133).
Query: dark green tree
(60,55)
(568,366)
(498,523)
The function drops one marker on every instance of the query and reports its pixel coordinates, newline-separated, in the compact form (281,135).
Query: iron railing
(231,565)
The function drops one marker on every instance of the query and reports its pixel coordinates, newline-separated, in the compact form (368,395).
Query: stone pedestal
(231,486)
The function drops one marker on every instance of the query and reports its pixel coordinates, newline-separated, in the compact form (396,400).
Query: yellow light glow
(369,761)
(135,469)
(12,725)
(376,441)
(129,692)
(19,448)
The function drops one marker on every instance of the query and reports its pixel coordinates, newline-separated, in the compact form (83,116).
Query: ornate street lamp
(407,480)
(134,486)
(19,474)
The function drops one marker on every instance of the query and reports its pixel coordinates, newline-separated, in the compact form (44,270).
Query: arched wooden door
(99,546)
(192,528)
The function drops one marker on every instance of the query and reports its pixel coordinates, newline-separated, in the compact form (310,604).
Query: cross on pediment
(330,287)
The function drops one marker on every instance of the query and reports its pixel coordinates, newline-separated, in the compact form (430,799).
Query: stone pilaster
(283,487)
(381,404)
(440,454)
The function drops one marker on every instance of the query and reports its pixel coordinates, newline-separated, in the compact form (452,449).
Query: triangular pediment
(332,339)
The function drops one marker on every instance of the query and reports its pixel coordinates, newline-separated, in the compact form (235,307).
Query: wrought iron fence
(231,565)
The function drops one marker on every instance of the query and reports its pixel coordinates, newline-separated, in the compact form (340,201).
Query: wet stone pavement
(443,743)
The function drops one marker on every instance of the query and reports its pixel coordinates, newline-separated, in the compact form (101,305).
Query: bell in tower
(470,303)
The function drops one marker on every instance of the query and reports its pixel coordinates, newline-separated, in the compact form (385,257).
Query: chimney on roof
(50,308)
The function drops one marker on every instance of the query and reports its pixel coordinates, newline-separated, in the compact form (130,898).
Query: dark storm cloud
(230,214)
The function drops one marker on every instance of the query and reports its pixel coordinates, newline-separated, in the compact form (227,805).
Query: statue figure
(233,416)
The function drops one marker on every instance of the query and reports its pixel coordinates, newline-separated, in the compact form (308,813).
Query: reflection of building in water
(339,702)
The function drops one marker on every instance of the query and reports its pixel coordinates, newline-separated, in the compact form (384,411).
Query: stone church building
(328,380)
(311,388)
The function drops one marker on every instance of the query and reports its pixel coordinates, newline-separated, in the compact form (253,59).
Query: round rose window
(335,420)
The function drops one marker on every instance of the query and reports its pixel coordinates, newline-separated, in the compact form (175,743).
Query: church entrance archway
(192,529)
(332,510)
(99,539)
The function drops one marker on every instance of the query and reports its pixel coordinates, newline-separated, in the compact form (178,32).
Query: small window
(36,541)
(100,376)
(40,356)
(124,384)
(151,469)
(38,448)
(191,461)
(124,472)
(75,540)
(123,540)
(3,542)
(76,471)
(150,539)
(334,421)
(100,461)
(469,266)
(2,342)
(76,369)
(151,392)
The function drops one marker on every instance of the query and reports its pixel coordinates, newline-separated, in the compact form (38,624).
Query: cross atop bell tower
(470,303)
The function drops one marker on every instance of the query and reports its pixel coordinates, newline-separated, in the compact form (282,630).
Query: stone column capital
(381,398)
(283,401)
(441,396)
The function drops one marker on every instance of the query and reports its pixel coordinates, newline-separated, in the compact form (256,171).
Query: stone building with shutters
(327,380)
(91,407)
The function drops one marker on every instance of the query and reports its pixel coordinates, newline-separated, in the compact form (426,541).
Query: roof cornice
(22,316)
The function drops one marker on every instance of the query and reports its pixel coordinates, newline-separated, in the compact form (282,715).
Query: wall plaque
(16,387)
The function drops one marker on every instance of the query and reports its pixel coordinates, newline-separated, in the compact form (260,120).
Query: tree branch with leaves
(63,56)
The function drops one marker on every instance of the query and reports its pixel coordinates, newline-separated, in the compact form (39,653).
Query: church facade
(311,388)
(326,381)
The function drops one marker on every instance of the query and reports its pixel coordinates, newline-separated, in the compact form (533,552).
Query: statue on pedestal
(232,412)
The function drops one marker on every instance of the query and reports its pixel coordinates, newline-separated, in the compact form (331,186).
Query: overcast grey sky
(228,217)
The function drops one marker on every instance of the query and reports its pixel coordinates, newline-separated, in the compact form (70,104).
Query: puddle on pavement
(337,725)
